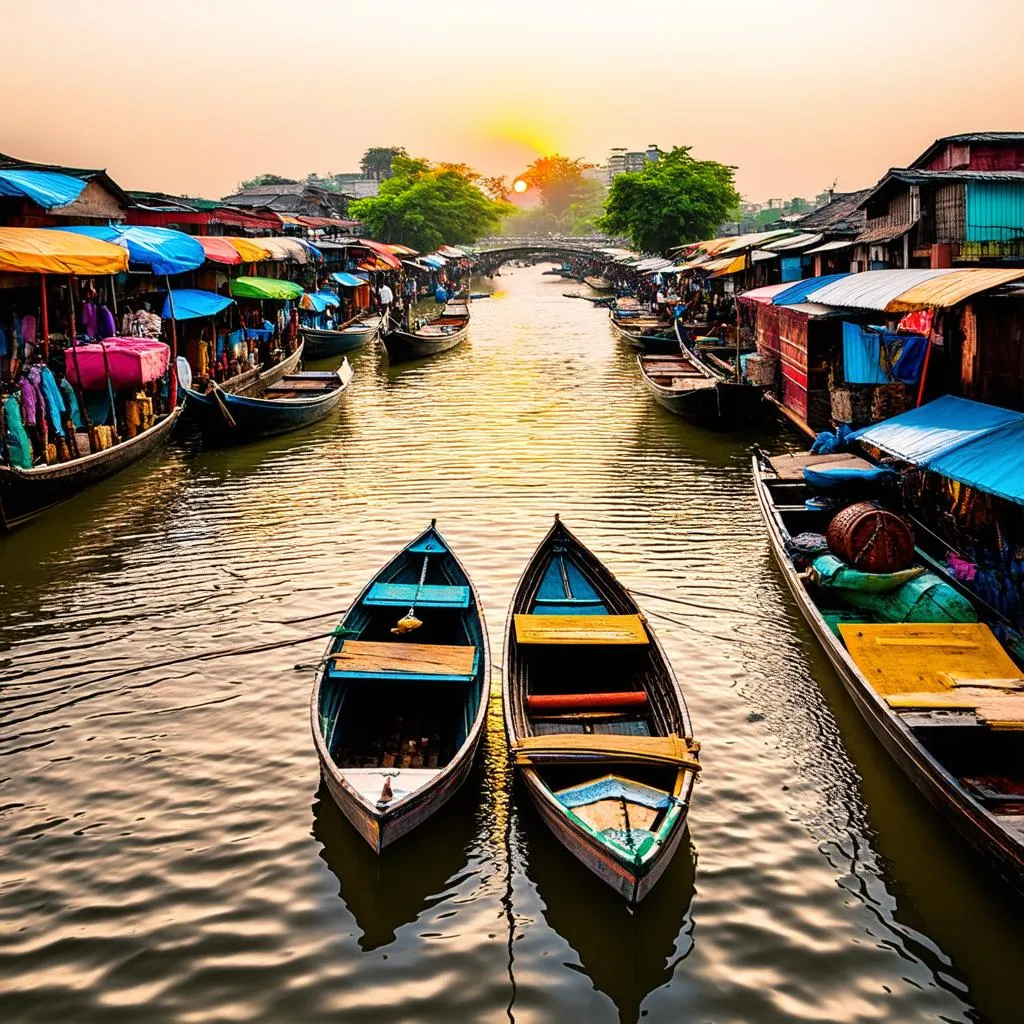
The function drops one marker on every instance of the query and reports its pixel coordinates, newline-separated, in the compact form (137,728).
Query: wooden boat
(678,385)
(644,332)
(945,700)
(611,771)
(439,335)
(397,716)
(26,493)
(322,344)
(262,376)
(738,403)
(294,401)
(598,282)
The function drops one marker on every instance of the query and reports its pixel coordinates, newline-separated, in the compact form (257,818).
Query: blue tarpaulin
(45,188)
(978,445)
(190,304)
(873,356)
(318,301)
(800,291)
(348,280)
(163,250)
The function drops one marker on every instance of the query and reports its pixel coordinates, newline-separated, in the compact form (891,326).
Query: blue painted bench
(402,595)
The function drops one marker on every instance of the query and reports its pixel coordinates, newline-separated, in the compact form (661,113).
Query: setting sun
(519,185)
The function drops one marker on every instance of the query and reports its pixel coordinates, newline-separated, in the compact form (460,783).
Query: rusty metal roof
(950,289)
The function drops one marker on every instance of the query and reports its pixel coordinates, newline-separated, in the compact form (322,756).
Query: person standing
(386,296)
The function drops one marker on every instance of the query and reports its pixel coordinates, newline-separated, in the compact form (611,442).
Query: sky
(191,97)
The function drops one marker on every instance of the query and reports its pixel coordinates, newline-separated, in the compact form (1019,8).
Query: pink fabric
(133,362)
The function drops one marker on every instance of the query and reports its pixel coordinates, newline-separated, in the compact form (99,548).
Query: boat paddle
(228,418)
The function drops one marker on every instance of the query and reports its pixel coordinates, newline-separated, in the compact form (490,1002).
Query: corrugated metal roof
(884,233)
(755,240)
(797,291)
(952,288)
(766,294)
(814,310)
(832,246)
(842,215)
(733,265)
(872,289)
(794,242)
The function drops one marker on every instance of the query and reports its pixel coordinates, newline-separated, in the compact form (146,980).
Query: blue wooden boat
(398,709)
(610,770)
(324,344)
(294,401)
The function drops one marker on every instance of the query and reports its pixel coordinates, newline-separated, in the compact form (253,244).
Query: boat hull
(27,493)
(403,347)
(931,779)
(325,344)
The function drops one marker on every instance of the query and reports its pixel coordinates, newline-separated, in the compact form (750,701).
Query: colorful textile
(132,361)
(105,326)
(19,448)
(53,397)
(871,356)
(71,403)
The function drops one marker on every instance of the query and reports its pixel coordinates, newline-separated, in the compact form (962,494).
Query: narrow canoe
(294,401)
(678,385)
(738,403)
(597,282)
(971,771)
(262,376)
(325,344)
(646,334)
(431,339)
(611,771)
(26,493)
(406,710)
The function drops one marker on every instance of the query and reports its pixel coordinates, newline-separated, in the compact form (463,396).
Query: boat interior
(674,372)
(588,675)
(397,699)
(303,385)
(948,677)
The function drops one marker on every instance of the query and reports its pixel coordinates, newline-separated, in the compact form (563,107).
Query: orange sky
(189,97)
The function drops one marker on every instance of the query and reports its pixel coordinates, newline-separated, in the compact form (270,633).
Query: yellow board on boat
(580,629)
(564,748)
(922,657)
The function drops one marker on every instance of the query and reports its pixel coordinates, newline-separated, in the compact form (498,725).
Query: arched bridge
(500,250)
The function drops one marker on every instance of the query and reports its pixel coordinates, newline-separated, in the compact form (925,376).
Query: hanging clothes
(71,404)
(28,329)
(19,448)
(105,326)
(90,319)
(53,397)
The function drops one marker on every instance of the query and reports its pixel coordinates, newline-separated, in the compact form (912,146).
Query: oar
(409,622)
(228,418)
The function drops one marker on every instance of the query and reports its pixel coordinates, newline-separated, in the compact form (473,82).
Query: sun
(519,185)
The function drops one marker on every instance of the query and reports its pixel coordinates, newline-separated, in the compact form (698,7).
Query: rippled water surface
(168,852)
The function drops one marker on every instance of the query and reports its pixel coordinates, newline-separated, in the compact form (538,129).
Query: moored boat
(258,377)
(936,686)
(324,344)
(294,401)
(611,771)
(598,282)
(398,710)
(679,386)
(429,338)
(26,493)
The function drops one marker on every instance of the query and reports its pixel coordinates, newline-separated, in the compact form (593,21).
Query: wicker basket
(761,370)
(871,539)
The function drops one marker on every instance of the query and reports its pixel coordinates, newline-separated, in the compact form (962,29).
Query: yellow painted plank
(580,629)
(417,659)
(921,657)
(563,748)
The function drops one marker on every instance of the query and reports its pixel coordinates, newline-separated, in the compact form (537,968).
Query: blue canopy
(45,188)
(319,301)
(190,304)
(348,280)
(800,290)
(978,445)
(433,261)
(163,250)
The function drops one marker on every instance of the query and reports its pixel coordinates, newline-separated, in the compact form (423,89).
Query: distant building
(296,199)
(623,161)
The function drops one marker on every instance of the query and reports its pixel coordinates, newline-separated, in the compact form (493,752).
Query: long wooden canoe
(262,376)
(294,401)
(595,719)
(945,700)
(439,335)
(26,493)
(323,344)
(678,385)
(397,716)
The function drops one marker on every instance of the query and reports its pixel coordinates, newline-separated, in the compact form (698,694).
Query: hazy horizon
(192,98)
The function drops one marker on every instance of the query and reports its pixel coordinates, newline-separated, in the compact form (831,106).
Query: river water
(167,851)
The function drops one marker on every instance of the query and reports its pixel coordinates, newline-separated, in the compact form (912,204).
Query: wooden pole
(45,316)
(174,348)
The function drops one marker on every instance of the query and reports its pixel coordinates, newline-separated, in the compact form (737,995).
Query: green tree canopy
(424,206)
(673,200)
(559,180)
(266,179)
(377,161)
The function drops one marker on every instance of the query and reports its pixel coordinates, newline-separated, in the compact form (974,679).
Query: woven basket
(761,370)
(871,539)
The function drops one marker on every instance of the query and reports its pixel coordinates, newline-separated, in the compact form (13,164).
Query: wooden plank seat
(404,595)
(303,385)
(580,629)
(583,748)
(586,701)
(364,659)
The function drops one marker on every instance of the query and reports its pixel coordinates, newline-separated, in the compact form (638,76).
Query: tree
(497,187)
(266,179)
(674,199)
(559,181)
(377,161)
(424,206)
